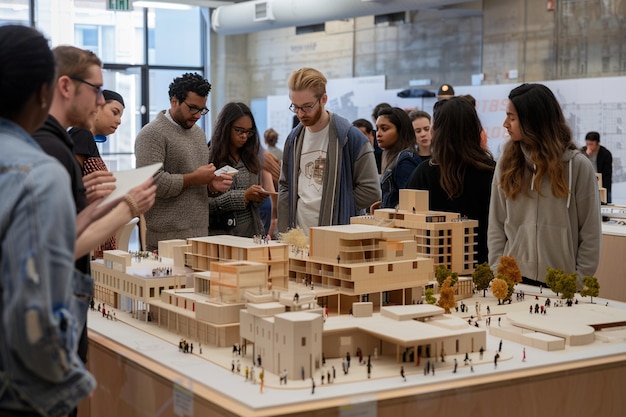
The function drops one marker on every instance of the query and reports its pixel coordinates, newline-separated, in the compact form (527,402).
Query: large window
(143,50)
(14,12)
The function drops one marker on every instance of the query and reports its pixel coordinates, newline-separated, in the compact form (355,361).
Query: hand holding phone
(226,169)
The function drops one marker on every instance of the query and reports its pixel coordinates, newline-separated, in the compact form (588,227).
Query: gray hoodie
(544,231)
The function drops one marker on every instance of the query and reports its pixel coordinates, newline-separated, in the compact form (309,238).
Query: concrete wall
(582,38)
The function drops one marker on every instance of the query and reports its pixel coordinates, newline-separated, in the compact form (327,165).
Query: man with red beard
(329,172)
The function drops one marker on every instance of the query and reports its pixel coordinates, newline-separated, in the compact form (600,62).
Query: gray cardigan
(178,213)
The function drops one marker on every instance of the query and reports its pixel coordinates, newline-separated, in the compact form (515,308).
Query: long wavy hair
(406,136)
(220,139)
(456,143)
(545,137)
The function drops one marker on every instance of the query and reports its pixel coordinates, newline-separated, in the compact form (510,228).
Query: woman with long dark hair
(394,134)
(545,203)
(459,174)
(235,142)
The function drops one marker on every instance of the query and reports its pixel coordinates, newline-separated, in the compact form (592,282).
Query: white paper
(127,180)
(227,169)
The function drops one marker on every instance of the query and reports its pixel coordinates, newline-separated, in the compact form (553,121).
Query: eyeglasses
(239,131)
(306,108)
(97,88)
(195,110)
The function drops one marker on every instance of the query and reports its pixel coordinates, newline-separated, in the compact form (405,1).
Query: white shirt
(310,178)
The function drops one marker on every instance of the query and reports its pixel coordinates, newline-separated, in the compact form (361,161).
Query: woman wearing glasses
(458,176)
(235,142)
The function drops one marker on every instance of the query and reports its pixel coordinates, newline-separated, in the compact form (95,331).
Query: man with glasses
(181,209)
(76,97)
(329,172)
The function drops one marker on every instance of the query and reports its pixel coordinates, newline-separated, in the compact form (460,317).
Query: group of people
(540,196)
(539,203)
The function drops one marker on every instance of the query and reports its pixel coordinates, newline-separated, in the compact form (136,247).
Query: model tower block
(352,263)
(444,237)
(275,255)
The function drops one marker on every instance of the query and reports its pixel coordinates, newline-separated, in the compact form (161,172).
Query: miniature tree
(568,286)
(499,289)
(441,273)
(509,268)
(429,296)
(446,296)
(591,287)
(455,278)
(553,277)
(482,277)
(295,237)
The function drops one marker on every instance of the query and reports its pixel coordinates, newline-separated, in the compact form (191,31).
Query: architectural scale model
(358,288)
(444,237)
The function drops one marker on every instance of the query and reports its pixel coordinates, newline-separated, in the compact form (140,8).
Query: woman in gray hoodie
(545,202)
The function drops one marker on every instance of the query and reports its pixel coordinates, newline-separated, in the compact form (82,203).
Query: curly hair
(406,135)
(456,143)
(189,82)
(220,139)
(545,137)
(26,64)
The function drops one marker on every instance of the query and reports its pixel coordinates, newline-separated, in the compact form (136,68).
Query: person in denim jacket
(43,299)
(394,133)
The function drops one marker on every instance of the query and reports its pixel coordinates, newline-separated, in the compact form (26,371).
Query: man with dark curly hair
(181,209)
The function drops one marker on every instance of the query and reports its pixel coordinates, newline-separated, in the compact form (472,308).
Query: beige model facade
(359,262)
(205,250)
(443,237)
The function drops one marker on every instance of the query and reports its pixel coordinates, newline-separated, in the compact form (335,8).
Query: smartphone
(226,169)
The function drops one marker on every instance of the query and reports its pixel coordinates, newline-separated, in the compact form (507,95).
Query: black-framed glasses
(97,88)
(240,131)
(195,110)
(306,108)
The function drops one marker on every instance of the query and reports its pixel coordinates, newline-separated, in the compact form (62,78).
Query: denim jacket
(43,300)
(396,177)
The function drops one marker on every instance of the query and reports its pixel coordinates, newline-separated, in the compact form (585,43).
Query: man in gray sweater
(181,209)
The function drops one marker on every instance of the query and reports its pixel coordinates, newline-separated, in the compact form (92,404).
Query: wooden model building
(205,250)
(134,283)
(443,237)
(353,263)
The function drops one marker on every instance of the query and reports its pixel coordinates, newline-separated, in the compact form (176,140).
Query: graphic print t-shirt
(310,178)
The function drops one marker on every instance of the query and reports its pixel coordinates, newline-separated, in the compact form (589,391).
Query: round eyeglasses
(195,110)
(306,108)
(239,131)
